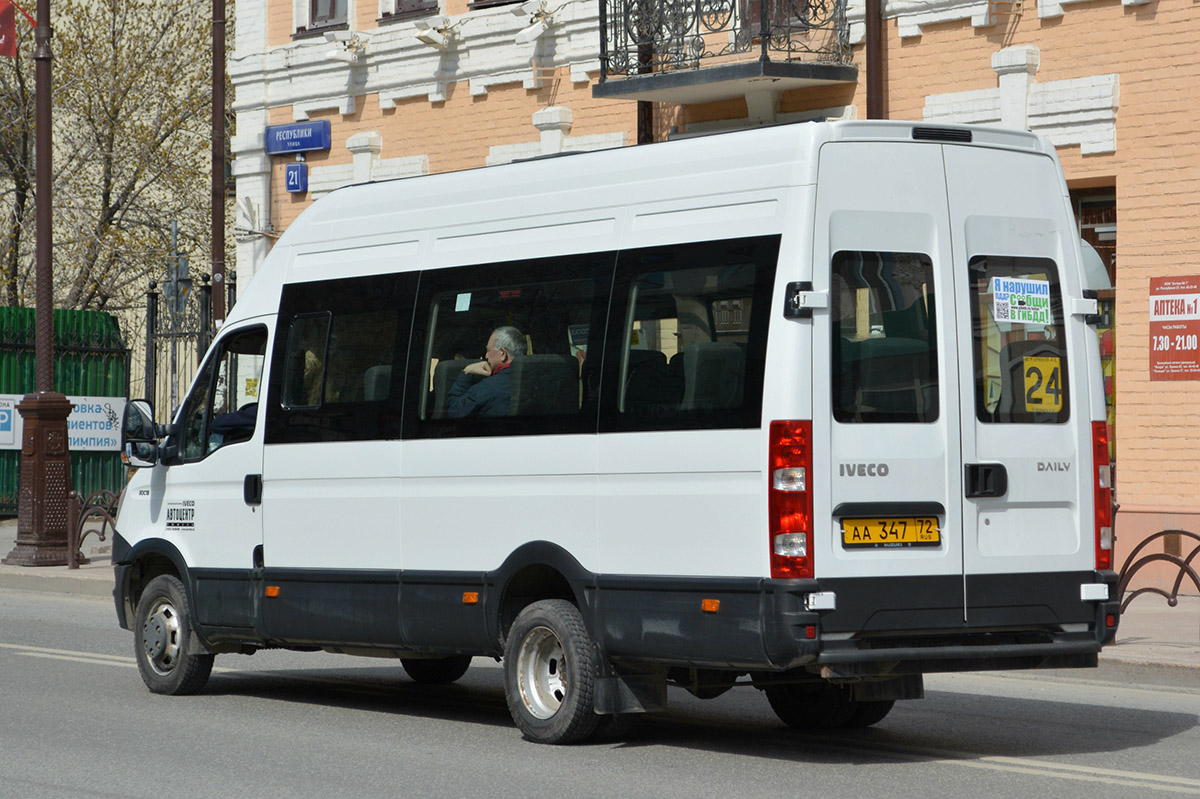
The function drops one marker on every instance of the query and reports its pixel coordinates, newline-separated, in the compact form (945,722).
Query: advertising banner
(94,425)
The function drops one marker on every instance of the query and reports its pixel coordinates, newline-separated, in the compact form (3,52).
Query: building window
(411,8)
(326,13)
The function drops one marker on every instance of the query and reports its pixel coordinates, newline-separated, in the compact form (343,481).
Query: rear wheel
(868,713)
(436,671)
(163,627)
(549,666)
(812,705)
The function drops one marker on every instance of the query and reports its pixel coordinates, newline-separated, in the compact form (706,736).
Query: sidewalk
(1156,644)
(92,579)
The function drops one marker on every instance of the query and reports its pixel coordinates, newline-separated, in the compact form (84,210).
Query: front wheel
(163,628)
(549,666)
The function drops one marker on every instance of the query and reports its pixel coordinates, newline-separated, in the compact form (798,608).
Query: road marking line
(93,661)
(1018,765)
(26,648)
(80,657)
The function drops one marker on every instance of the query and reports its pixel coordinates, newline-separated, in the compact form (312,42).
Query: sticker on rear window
(1021,301)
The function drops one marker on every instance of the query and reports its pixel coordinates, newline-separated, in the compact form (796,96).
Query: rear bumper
(877,626)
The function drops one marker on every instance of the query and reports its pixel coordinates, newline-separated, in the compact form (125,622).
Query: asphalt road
(76,721)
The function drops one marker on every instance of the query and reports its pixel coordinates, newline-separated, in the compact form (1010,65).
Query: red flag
(8,29)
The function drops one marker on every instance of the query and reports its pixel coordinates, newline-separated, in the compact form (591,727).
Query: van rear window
(1019,346)
(884,338)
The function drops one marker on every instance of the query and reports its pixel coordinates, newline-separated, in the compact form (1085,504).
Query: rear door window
(1019,346)
(884,338)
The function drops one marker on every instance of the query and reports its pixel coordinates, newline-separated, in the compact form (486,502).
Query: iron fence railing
(642,36)
(177,336)
(90,359)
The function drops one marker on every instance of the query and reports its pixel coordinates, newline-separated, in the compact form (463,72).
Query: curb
(57,583)
(1120,671)
(1137,673)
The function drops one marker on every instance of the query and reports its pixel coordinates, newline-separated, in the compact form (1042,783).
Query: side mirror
(139,434)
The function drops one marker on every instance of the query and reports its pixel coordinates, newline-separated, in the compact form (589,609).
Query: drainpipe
(874,20)
(645,122)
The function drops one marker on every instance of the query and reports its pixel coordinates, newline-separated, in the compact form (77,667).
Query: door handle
(986,480)
(252,489)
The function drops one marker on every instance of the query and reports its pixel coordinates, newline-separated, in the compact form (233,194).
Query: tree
(131,148)
(16,171)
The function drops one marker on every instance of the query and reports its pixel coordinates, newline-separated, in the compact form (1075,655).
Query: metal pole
(645,34)
(764,29)
(218,160)
(205,334)
(45,480)
(172,297)
(874,48)
(44,295)
(151,342)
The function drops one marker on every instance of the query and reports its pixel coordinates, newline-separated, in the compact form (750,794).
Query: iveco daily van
(813,408)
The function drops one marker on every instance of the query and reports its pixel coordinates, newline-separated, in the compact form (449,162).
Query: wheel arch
(143,562)
(535,571)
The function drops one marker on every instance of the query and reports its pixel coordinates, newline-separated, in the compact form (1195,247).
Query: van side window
(688,336)
(338,350)
(223,406)
(884,338)
(304,367)
(1019,345)
(545,314)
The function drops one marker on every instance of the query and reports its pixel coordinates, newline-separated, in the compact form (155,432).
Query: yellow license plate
(919,531)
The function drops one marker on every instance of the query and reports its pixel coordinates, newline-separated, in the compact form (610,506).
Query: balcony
(700,51)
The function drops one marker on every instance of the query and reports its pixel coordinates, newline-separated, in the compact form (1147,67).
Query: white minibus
(813,408)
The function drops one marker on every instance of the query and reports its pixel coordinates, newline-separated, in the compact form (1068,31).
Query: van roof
(597,183)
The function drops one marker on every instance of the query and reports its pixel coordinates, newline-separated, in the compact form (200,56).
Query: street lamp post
(218,161)
(45,459)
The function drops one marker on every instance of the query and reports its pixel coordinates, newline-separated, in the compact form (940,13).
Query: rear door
(1026,508)
(888,530)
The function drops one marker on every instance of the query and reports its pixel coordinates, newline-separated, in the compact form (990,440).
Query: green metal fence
(90,359)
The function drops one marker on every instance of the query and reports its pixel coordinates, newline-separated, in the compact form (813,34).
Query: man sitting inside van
(485,387)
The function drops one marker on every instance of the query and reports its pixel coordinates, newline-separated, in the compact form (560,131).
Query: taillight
(1102,479)
(790,500)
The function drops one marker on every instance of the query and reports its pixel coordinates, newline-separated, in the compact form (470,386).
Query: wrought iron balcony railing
(644,36)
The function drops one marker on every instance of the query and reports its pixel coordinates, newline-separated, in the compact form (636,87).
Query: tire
(162,640)
(436,671)
(812,705)
(869,713)
(549,668)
